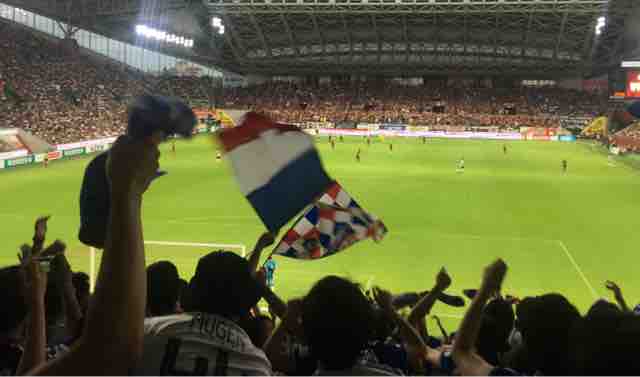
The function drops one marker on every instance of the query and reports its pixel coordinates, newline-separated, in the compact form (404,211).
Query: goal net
(184,255)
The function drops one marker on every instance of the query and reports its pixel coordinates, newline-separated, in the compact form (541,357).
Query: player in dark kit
(390,147)
(341,139)
(504,149)
(333,144)
(46,161)
(565,166)
(368,141)
(358,155)
(173,146)
(424,140)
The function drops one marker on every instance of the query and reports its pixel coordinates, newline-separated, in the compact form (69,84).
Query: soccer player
(390,147)
(173,146)
(504,149)
(565,166)
(341,138)
(46,161)
(358,155)
(460,165)
(218,156)
(368,141)
(333,144)
(270,269)
(424,140)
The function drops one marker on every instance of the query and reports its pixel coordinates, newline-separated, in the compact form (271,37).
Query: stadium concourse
(146,320)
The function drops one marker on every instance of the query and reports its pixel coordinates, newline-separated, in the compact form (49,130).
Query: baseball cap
(223,285)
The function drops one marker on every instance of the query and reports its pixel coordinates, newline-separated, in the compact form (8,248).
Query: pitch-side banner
(438,134)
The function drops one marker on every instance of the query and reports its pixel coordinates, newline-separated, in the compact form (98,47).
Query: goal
(184,254)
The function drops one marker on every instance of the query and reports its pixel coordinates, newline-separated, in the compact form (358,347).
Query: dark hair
(223,285)
(338,322)
(12,297)
(163,288)
(546,323)
(497,323)
(606,341)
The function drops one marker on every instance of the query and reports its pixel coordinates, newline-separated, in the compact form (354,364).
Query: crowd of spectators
(145,320)
(65,97)
(430,105)
(60,97)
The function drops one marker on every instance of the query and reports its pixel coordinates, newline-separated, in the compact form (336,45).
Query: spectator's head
(13,300)
(606,342)
(223,285)
(163,288)
(82,286)
(497,322)
(546,323)
(338,321)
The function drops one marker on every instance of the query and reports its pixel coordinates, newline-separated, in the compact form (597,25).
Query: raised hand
(493,276)
(35,274)
(613,287)
(265,240)
(39,234)
(443,280)
(57,247)
(133,164)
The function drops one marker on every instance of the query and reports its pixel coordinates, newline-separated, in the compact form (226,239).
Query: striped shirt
(199,344)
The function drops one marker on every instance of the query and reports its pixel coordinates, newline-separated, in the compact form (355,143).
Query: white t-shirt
(199,344)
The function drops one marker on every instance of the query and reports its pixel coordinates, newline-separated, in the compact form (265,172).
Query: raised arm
(35,282)
(113,338)
(266,239)
(408,334)
(617,294)
(276,346)
(467,361)
(424,305)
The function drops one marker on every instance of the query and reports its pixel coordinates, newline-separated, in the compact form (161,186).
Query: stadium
(331,187)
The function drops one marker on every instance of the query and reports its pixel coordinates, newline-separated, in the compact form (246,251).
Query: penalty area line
(578,269)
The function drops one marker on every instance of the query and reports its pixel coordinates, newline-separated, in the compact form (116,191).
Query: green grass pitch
(558,233)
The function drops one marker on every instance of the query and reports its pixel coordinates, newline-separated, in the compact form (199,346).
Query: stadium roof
(534,38)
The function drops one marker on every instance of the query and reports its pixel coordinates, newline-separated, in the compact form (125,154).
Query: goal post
(199,246)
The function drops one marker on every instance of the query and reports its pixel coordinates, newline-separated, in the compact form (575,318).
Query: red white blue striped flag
(277,167)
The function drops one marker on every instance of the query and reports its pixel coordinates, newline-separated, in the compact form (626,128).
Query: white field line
(578,269)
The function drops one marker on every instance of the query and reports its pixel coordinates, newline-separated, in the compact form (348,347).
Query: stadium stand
(137,315)
(67,98)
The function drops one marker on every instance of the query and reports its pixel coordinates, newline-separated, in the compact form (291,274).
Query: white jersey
(199,344)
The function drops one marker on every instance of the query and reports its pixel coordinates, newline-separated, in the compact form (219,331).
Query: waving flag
(332,224)
(277,167)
